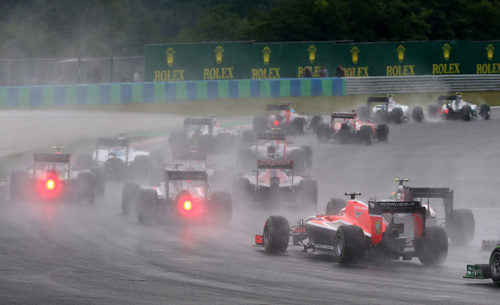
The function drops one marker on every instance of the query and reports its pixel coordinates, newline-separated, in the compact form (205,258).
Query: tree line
(90,28)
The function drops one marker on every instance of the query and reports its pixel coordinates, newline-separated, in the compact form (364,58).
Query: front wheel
(417,114)
(485,111)
(495,265)
(323,133)
(461,227)
(276,234)
(349,244)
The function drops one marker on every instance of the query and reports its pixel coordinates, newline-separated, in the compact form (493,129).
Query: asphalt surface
(78,254)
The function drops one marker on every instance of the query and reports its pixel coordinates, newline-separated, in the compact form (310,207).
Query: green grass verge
(308,105)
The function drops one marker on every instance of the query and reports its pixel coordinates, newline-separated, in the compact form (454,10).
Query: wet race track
(77,254)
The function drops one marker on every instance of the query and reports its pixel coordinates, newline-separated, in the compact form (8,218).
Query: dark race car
(459,223)
(52,178)
(284,117)
(274,145)
(346,127)
(454,107)
(274,183)
(486,271)
(359,231)
(184,197)
(205,133)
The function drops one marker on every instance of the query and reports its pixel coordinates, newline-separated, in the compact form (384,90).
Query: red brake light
(187,205)
(446,111)
(50,184)
(276,122)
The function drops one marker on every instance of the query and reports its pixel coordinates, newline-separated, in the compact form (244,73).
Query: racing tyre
(466,113)
(397,115)
(323,133)
(349,244)
(364,113)
(147,206)
(297,126)
(299,160)
(130,194)
(382,132)
(485,111)
(247,137)
(461,227)
(19,185)
(308,192)
(334,206)
(432,248)
(494,265)
(259,123)
(276,235)
(365,135)
(85,187)
(241,188)
(417,114)
(223,205)
(309,153)
(99,181)
(315,122)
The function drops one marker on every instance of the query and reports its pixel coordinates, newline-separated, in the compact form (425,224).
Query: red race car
(347,127)
(360,230)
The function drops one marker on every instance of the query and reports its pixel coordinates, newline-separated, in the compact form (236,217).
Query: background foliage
(52,28)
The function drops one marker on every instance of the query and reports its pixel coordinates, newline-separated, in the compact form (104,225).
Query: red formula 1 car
(361,230)
(346,127)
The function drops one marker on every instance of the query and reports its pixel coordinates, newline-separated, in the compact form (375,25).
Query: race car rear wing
(51,158)
(186,175)
(110,142)
(447,98)
(412,193)
(270,136)
(395,207)
(377,100)
(343,115)
(271,107)
(274,164)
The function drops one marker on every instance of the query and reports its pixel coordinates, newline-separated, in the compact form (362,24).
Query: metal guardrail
(422,83)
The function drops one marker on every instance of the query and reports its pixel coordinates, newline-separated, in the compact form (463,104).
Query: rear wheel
(223,207)
(349,244)
(334,206)
(417,114)
(85,187)
(19,185)
(276,234)
(323,133)
(315,122)
(461,227)
(147,206)
(397,115)
(130,194)
(299,160)
(297,126)
(432,248)
(495,265)
(382,132)
(365,135)
(485,111)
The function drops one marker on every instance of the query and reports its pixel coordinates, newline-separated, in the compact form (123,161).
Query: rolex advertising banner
(247,60)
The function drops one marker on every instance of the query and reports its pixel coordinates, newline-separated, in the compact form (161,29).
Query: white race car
(386,109)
